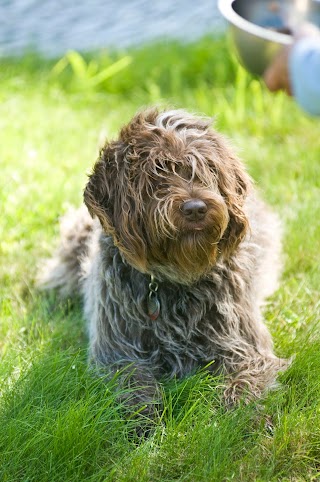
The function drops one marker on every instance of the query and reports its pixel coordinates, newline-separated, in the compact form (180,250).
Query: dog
(174,254)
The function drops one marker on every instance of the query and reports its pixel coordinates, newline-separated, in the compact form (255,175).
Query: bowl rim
(225,7)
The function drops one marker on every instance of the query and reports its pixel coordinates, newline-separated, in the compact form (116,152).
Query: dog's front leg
(250,376)
(140,393)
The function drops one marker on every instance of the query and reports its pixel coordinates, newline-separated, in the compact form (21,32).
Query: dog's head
(171,192)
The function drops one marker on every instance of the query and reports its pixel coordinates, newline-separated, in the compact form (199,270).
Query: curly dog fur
(175,220)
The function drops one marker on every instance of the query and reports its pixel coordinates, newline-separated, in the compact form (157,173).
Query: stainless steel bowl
(260,28)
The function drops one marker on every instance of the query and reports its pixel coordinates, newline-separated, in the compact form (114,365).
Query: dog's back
(63,271)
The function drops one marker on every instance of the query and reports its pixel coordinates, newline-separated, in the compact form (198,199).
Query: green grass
(58,422)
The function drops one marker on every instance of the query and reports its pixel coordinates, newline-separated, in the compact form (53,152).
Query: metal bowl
(260,28)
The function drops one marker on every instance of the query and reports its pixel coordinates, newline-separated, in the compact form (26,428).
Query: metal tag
(153,305)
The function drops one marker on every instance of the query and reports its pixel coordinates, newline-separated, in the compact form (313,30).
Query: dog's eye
(184,173)
(162,186)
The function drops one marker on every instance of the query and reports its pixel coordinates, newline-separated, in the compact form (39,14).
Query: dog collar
(153,300)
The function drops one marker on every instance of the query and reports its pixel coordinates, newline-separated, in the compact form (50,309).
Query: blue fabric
(304,69)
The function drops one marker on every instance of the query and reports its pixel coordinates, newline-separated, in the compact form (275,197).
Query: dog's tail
(63,272)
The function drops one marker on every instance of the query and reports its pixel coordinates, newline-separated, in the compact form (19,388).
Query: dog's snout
(194,209)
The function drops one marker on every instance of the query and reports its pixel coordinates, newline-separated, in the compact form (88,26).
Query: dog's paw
(239,392)
(251,384)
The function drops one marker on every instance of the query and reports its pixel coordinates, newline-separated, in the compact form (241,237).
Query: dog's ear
(98,192)
(111,196)
(234,184)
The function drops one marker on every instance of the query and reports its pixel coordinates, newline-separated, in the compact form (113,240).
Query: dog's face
(171,192)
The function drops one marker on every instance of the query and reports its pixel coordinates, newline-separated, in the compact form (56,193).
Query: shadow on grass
(58,421)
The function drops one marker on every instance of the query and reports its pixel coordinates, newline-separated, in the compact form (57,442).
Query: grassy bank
(57,421)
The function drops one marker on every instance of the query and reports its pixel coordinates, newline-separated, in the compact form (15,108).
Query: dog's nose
(194,209)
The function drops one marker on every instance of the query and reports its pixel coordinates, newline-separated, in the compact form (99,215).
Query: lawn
(58,422)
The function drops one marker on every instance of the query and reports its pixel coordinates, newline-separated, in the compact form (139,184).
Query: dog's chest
(183,333)
(185,317)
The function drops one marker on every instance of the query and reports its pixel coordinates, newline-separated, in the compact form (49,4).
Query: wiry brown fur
(212,273)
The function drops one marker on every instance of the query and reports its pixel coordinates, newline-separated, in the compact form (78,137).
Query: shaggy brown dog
(177,260)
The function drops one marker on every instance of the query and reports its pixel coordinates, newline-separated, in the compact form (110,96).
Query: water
(52,27)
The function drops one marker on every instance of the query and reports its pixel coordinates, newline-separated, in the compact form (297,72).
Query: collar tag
(153,300)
